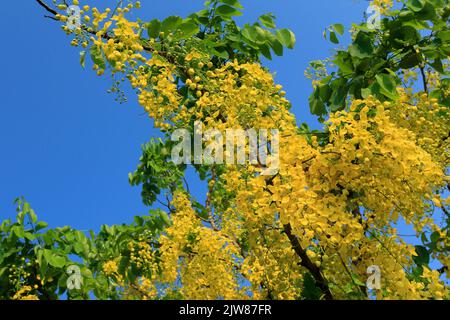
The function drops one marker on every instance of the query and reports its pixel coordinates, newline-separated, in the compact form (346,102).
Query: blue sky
(68,147)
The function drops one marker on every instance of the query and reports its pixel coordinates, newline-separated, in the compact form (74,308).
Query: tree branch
(424,79)
(445,211)
(47,7)
(104,35)
(321,282)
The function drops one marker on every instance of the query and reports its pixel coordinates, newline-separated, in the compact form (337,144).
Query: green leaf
(372,90)
(435,237)
(424,238)
(248,32)
(165,217)
(366,92)
(427,13)
(171,24)
(276,46)
(388,85)
(29,236)
(227,11)
(362,46)
(220,52)
(97,56)
(356,280)
(32,215)
(338,97)
(188,29)
(286,37)
(54,259)
(403,36)
(154,28)
(26,207)
(415,5)
(423,257)
(262,35)
(310,290)
(325,92)
(333,37)
(41,225)
(316,105)
(83,58)
(265,50)
(410,61)
(417,272)
(18,231)
(234,3)
(344,61)
(2,272)
(339,28)
(444,35)
(268,20)
(78,247)
(437,65)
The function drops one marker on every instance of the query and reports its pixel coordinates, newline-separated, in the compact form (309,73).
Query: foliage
(34,255)
(413,37)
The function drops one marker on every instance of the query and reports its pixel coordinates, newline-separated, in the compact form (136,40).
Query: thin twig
(47,7)
(424,79)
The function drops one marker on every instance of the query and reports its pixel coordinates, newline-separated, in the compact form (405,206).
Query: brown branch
(47,7)
(139,290)
(445,211)
(443,270)
(321,282)
(167,205)
(84,28)
(424,79)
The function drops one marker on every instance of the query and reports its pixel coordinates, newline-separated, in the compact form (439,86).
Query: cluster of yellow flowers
(20,277)
(24,294)
(202,259)
(383,5)
(142,255)
(117,38)
(341,201)
(428,120)
(238,96)
(110,267)
(147,288)
(162,99)
(221,101)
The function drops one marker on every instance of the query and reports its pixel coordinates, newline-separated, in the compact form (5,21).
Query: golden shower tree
(310,231)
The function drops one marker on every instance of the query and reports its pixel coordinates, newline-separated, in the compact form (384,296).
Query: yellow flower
(110,267)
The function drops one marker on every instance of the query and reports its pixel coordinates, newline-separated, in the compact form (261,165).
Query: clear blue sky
(67,146)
